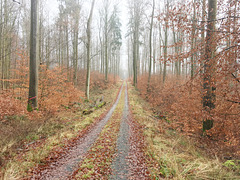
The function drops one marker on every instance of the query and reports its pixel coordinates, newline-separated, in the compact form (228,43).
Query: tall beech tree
(76,17)
(89,50)
(106,30)
(165,52)
(136,13)
(150,43)
(193,39)
(33,78)
(209,84)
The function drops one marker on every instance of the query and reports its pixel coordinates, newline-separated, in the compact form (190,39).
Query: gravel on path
(120,163)
(130,161)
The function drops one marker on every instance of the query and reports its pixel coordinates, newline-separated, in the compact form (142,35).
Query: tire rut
(120,168)
(64,167)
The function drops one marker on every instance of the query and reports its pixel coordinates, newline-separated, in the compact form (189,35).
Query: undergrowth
(179,102)
(26,142)
(172,155)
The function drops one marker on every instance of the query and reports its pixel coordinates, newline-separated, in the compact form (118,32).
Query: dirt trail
(66,166)
(130,161)
(120,164)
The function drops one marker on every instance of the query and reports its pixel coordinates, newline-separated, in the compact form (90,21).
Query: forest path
(65,166)
(120,166)
(116,154)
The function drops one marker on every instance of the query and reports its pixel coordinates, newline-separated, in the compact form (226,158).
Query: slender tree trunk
(33,81)
(160,49)
(154,52)
(106,40)
(150,45)
(67,48)
(75,56)
(179,51)
(1,44)
(89,51)
(165,46)
(203,43)
(4,45)
(176,51)
(134,61)
(235,38)
(48,50)
(129,57)
(193,39)
(40,34)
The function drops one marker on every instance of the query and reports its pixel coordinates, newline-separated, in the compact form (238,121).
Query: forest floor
(119,140)
(26,143)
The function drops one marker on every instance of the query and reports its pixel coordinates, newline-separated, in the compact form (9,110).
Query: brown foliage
(10,106)
(55,91)
(179,101)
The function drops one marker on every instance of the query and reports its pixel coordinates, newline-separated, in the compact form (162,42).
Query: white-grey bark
(89,51)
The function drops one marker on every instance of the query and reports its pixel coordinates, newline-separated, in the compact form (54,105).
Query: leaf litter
(63,162)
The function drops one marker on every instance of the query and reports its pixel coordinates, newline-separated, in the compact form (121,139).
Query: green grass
(232,165)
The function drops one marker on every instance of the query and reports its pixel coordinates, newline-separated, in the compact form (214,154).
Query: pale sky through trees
(52,8)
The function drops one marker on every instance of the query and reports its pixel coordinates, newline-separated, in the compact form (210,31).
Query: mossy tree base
(207,125)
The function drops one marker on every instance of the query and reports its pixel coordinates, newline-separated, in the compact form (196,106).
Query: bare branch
(16,1)
(233,101)
(220,19)
(235,78)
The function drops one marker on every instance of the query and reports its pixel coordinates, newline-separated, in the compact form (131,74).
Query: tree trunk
(193,39)
(75,55)
(165,46)
(150,46)
(106,40)
(89,51)
(1,38)
(67,48)
(136,61)
(176,51)
(209,84)
(33,81)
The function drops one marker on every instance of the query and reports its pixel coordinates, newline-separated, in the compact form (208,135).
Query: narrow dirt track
(64,167)
(120,164)
(130,160)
